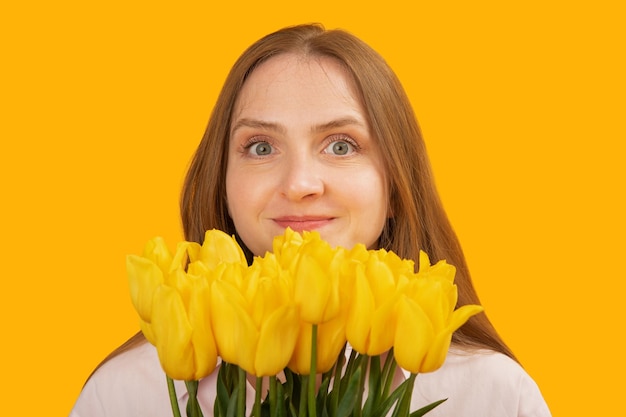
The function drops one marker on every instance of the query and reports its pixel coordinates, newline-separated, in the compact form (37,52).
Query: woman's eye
(340,147)
(260,149)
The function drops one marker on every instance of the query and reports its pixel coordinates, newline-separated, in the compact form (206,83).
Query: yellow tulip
(285,247)
(427,317)
(144,277)
(378,277)
(219,247)
(316,271)
(371,317)
(398,266)
(331,337)
(331,334)
(172,305)
(255,317)
(182,330)
(441,270)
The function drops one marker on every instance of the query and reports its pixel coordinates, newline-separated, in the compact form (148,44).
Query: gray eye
(340,148)
(261,148)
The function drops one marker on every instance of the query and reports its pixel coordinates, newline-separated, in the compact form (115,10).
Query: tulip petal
(430,294)
(437,353)
(146,329)
(424,262)
(312,290)
(360,314)
(331,338)
(300,361)
(286,247)
(185,252)
(172,332)
(462,314)
(182,283)
(144,276)
(443,270)
(199,268)
(156,250)
(414,335)
(202,337)
(383,329)
(381,280)
(235,334)
(220,247)
(277,341)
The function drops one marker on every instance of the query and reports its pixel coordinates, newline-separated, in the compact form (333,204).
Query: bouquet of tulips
(321,331)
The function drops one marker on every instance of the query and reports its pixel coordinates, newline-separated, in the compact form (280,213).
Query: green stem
(358,407)
(334,399)
(193,406)
(389,371)
(313,372)
(273,394)
(303,396)
(241,395)
(173,399)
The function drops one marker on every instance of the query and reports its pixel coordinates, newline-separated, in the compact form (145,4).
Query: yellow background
(521,103)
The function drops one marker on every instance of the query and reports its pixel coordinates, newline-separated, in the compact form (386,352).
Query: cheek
(244,195)
(369,190)
(233,192)
(377,204)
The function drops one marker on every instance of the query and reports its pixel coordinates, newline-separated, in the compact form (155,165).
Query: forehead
(289,80)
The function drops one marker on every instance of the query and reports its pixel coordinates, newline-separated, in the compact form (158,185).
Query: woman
(313,131)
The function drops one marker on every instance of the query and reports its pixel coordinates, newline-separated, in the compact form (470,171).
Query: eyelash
(247,146)
(254,141)
(341,138)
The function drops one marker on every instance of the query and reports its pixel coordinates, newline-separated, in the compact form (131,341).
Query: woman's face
(301,154)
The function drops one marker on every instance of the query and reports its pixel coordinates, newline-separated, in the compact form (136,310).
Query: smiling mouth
(300,224)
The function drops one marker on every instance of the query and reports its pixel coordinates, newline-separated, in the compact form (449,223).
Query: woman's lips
(300,224)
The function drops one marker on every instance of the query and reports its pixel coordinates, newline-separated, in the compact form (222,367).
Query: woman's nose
(302,179)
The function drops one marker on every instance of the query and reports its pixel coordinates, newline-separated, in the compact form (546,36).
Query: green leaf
(384,407)
(292,388)
(364,363)
(333,403)
(426,409)
(289,385)
(374,383)
(223,393)
(404,405)
(322,395)
(232,404)
(353,364)
(227,391)
(348,400)
(388,373)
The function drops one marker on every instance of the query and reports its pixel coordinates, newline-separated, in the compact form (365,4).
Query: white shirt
(477,384)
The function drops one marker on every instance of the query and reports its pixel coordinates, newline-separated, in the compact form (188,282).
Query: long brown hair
(419,221)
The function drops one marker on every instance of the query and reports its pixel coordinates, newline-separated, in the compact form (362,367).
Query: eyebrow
(276,127)
(257,124)
(333,124)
